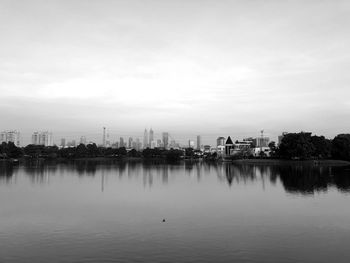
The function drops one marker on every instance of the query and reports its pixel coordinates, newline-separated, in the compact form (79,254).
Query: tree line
(301,145)
(305,146)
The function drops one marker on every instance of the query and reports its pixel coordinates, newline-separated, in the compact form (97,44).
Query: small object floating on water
(163,220)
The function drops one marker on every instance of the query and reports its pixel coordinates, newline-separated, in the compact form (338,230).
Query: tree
(296,145)
(322,147)
(341,147)
(273,148)
(81,151)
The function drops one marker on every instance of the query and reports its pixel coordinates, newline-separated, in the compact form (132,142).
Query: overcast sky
(214,68)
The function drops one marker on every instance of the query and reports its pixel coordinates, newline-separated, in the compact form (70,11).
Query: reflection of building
(165,136)
(42,138)
(10,136)
(198,142)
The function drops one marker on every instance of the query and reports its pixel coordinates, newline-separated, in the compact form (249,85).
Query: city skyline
(243,66)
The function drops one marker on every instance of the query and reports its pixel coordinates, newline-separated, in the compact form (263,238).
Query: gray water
(113,212)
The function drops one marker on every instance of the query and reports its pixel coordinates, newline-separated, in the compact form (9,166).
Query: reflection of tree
(296,179)
(6,171)
(303,179)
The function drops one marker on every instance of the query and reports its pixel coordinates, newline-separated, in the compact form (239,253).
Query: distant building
(207,148)
(138,144)
(42,138)
(190,144)
(145,139)
(153,144)
(104,137)
(165,136)
(10,136)
(83,140)
(228,146)
(151,137)
(63,142)
(220,141)
(130,143)
(36,138)
(199,142)
(261,141)
(121,142)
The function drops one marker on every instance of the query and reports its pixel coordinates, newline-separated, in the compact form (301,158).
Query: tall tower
(104,137)
(145,139)
(198,142)
(151,137)
(165,140)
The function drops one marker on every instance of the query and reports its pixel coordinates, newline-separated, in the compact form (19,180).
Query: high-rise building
(10,136)
(220,141)
(145,139)
(36,138)
(63,142)
(104,137)
(198,142)
(261,141)
(151,136)
(121,142)
(138,144)
(130,142)
(83,140)
(190,144)
(42,138)
(165,137)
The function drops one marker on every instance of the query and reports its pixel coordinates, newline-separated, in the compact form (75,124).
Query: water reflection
(296,179)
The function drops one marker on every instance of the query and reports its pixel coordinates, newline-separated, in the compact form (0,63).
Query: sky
(214,68)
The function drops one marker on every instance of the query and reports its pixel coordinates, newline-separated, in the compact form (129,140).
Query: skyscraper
(145,139)
(121,142)
(151,137)
(165,136)
(220,141)
(198,142)
(10,136)
(63,142)
(104,137)
(83,140)
(42,138)
(130,142)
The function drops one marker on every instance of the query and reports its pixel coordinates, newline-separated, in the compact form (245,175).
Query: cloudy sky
(187,67)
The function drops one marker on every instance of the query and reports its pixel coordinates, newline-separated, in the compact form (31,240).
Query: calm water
(113,212)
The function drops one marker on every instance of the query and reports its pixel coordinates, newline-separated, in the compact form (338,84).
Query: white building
(42,138)
(10,136)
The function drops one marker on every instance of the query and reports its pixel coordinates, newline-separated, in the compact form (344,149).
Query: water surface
(113,212)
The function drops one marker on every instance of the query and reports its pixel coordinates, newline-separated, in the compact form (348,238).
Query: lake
(108,211)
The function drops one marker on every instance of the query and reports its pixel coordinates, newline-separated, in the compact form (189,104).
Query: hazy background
(187,67)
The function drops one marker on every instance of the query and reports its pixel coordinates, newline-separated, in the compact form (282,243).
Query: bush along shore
(294,146)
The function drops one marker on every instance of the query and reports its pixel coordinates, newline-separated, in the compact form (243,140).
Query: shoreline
(327,162)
